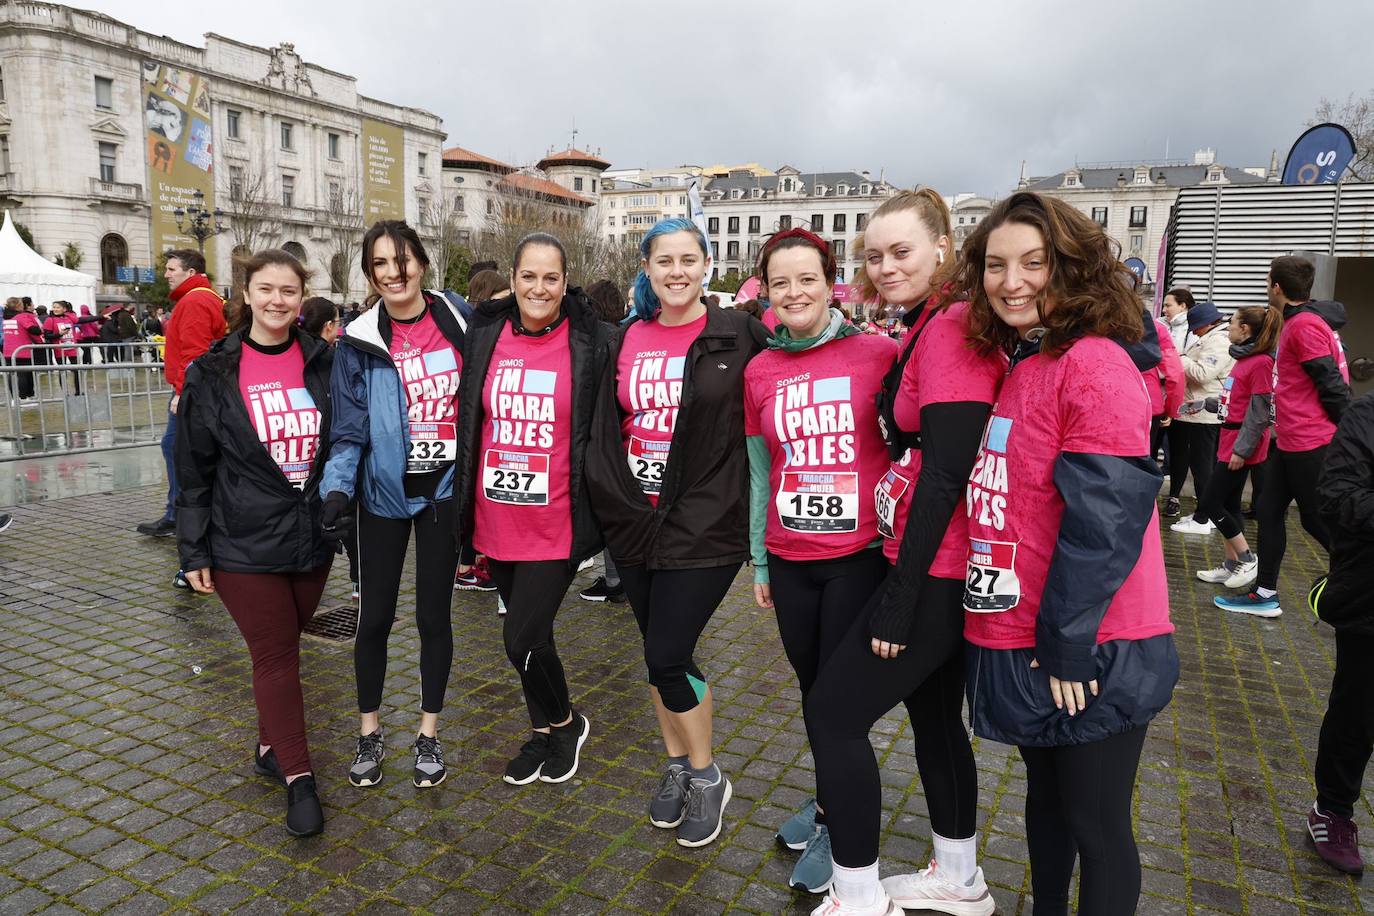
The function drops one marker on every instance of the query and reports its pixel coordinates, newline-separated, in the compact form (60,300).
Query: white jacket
(1206,363)
(1178,330)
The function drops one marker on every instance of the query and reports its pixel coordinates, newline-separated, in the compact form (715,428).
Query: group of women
(969,511)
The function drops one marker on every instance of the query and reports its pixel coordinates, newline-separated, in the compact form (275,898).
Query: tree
(26,235)
(343,218)
(729,282)
(71,256)
(1355,114)
(254,214)
(444,227)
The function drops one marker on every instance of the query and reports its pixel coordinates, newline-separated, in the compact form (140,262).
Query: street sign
(124,274)
(147,275)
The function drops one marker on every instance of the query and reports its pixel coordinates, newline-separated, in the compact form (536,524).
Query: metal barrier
(105,397)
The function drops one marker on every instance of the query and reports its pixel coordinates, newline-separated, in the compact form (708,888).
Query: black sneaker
(180,580)
(5,521)
(303,814)
(526,767)
(366,769)
(600,591)
(429,762)
(703,812)
(565,746)
(1172,509)
(266,765)
(162,528)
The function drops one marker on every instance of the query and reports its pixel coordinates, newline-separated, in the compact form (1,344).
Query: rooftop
(533,184)
(458,157)
(573,156)
(1175,176)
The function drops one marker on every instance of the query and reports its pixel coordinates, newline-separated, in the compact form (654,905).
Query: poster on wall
(176,120)
(383,172)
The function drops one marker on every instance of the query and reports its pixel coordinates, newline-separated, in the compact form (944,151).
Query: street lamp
(198,222)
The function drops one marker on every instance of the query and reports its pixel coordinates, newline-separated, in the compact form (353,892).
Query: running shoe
(1250,603)
(882,906)
(1171,508)
(1220,574)
(303,814)
(669,802)
(5,521)
(586,564)
(429,762)
(500,606)
(565,749)
(1244,575)
(526,766)
(814,869)
(266,765)
(703,810)
(1191,525)
(476,579)
(932,889)
(1337,841)
(796,831)
(601,591)
(366,769)
(180,580)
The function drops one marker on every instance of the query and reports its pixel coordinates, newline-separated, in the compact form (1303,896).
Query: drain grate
(338,624)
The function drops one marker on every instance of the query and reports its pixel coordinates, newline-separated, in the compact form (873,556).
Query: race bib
(819,502)
(1225,400)
(432,446)
(516,478)
(991,586)
(886,495)
(647,460)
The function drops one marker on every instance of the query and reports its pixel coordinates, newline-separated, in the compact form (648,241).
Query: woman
(815,455)
(906,644)
(1206,362)
(320,316)
(395,391)
(1245,411)
(669,476)
(529,381)
(249,457)
(1072,650)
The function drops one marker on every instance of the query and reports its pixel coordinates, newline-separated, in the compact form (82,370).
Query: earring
(939,256)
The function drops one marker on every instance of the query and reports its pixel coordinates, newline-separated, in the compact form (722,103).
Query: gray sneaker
(815,868)
(796,831)
(367,763)
(429,762)
(702,811)
(669,802)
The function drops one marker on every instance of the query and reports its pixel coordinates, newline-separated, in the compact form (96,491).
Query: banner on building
(1319,156)
(180,151)
(384,191)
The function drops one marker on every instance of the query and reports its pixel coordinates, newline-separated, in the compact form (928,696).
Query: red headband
(828,265)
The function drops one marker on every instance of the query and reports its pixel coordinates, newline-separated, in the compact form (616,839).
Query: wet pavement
(128,728)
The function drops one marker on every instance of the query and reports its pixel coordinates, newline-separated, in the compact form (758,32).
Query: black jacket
(1345,499)
(702,517)
(589,339)
(236,511)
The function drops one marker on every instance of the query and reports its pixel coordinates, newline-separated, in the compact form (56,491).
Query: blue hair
(646,302)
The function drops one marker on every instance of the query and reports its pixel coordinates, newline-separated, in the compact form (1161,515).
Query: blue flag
(1320,156)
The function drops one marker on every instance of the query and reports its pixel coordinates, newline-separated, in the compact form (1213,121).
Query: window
(753,252)
(2,85)
(1100,215)
(610,221)
(820,190)
(865,189)
(961,220)
(296,250)
(114,254)
(681,199)
(336,196)
(232,123)
(624,221)
(104,92)
(236,182)
(4,153)
(1070,181)
(1137,243)
(860,221)
(460,207)
(817,222)
(753,224)
(838,223)
(837,248)
(1141,177)
(734,225)
(1138,217)
(288,190)
(843,189)
(715,251)
(593,185)
(784,223)
(787,184)
(732,251)
(491,206)
(107,161)
(577,184)
(286,135)
(423,163)
(839,274)
(332,145)
(736,194)
(713,225)
(423,204)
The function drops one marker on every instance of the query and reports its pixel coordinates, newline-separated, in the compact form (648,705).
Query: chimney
(1121,179)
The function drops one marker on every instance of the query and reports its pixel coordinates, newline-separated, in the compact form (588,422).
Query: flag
(699,217)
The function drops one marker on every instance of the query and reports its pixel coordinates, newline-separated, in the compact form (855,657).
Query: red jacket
(196,322)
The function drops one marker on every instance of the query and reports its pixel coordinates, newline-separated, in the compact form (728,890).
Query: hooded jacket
(1345,499)
(197,321)
(1206,363)
(370,436)
(1324,372)
(589,342)
(235,509)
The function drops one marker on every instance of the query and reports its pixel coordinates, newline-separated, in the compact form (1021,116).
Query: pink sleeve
(1104,408)
(1174,381)
(1311,339)
(948,370)
(752,427)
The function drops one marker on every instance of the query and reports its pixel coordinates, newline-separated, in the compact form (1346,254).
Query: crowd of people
(963,518)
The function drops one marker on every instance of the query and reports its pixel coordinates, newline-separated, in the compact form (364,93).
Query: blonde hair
(930,208)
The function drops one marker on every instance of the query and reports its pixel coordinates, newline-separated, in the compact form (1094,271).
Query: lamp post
(198,222)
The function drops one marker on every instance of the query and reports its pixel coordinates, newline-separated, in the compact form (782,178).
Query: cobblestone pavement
(127,783)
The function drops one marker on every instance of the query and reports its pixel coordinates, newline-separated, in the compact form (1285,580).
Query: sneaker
(813,870)
(883,906)
(476,579)
(1337,841)
(163,527)
(703,811)
(586,564)
(5,521)
(1250,603)
(303,814)
(1244,576)
(600,591)
(180,580)
(266,765)
(1191,525)
(500,606)
(1220,574)
(796,831)
(1171,508)
(526,766)
(669,802)
(932,889)
(565,749)
(429,762)
(366,769)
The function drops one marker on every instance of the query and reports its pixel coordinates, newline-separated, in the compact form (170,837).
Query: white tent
(25,272)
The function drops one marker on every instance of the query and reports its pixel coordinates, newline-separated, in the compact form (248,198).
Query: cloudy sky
(942,92)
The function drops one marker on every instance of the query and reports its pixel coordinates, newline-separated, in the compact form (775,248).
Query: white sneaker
(932,889)
(1189,526)
(500,606)
(883,906)
(1244,576)
(1220,574)
(586,564)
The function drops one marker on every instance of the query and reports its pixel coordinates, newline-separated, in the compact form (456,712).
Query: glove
(336,521)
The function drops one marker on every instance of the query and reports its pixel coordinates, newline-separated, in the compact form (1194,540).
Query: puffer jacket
(1206,363)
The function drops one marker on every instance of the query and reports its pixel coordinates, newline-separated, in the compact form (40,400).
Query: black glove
(336,521)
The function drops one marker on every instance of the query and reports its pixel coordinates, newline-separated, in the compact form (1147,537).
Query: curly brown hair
(1090,292)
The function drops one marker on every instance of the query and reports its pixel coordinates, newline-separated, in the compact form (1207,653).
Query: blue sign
(1320,155)
(147,275)
(124,274)
(1136,267)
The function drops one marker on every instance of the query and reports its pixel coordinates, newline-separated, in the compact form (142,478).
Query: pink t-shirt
(65,327)
(1249,376)
(281,408)
(13,336)
(1090,400)
(649,387)
(429,367)
(1300,421)
(770,319)
(942,369)
(17,335)
(524,505)
(818,413)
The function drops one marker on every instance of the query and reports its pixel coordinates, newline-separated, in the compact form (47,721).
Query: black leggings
(856,688)
(533,591)
(672,608)
(381,555)
(1220,502)
(1078,804)
(1192,447)
(1288,476)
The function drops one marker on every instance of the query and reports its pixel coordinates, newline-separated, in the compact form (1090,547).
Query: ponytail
(932,211)
(1265,322)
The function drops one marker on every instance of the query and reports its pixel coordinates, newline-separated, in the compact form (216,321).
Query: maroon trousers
(271,610)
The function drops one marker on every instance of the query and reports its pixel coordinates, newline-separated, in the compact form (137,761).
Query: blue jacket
(369,437)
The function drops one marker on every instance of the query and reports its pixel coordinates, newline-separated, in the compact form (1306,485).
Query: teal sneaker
(815,868)
(1250,603)
(796,831)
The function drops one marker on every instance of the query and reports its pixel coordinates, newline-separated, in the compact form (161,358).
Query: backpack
(897,439)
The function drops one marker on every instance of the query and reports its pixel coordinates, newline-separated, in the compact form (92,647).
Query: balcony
(8,182)
(120,191)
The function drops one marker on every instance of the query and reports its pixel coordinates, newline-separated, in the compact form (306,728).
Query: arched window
(338,274)
(296,250)
(114,254)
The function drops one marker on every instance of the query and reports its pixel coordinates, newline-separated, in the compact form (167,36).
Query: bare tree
(343,219)
(447,240)
(253,211)
(1355,114)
